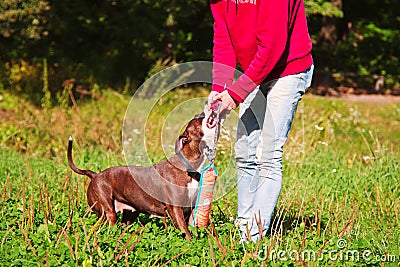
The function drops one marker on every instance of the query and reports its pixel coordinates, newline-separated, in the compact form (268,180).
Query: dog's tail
(88,173)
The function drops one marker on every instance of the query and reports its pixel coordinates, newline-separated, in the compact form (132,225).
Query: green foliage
(368,37)
(112,42)
(340,194)
(105,42)
(323,8)
(366,40)
(23,20)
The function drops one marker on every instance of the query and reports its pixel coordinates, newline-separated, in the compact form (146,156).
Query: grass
(339,204)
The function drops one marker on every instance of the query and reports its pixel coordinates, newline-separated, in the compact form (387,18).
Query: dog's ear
(181,141)
(199,116)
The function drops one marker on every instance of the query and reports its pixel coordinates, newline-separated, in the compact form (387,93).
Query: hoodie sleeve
(272,36)
(224,59)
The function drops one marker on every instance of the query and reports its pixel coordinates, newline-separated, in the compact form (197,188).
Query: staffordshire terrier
(166,188)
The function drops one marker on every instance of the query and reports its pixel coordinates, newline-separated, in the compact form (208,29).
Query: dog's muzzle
(212,119)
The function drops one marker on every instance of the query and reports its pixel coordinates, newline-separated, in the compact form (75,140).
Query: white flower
(367,158)
(319,128)
(136,131)
(323,143)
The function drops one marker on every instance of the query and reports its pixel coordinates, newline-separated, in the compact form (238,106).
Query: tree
(21,24)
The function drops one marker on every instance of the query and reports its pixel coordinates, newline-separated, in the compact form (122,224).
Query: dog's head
(199,136)
(191,137)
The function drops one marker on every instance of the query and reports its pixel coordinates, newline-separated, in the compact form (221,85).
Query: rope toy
(208,177)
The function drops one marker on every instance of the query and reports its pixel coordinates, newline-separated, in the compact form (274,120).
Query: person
(269,40)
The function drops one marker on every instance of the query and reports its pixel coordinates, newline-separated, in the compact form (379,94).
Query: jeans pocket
(309,76)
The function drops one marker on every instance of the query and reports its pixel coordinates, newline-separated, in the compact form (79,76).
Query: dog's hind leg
(104,204)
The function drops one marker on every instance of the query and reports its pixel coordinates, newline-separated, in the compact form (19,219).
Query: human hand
(210,102)
(227,102)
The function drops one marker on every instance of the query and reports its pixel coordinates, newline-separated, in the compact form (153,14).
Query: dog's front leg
(179,219)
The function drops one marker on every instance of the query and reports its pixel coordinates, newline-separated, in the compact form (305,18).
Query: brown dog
(168,186)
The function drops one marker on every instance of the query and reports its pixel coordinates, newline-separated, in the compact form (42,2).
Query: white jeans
(265,118)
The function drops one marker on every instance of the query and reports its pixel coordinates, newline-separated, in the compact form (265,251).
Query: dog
(166,188)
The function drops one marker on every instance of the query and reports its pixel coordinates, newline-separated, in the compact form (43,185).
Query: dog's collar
(191,171)
(195,175)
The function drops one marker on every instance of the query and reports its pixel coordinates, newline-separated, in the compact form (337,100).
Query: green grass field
(339,204)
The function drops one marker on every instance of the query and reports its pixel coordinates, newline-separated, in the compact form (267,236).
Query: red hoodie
(268,38)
